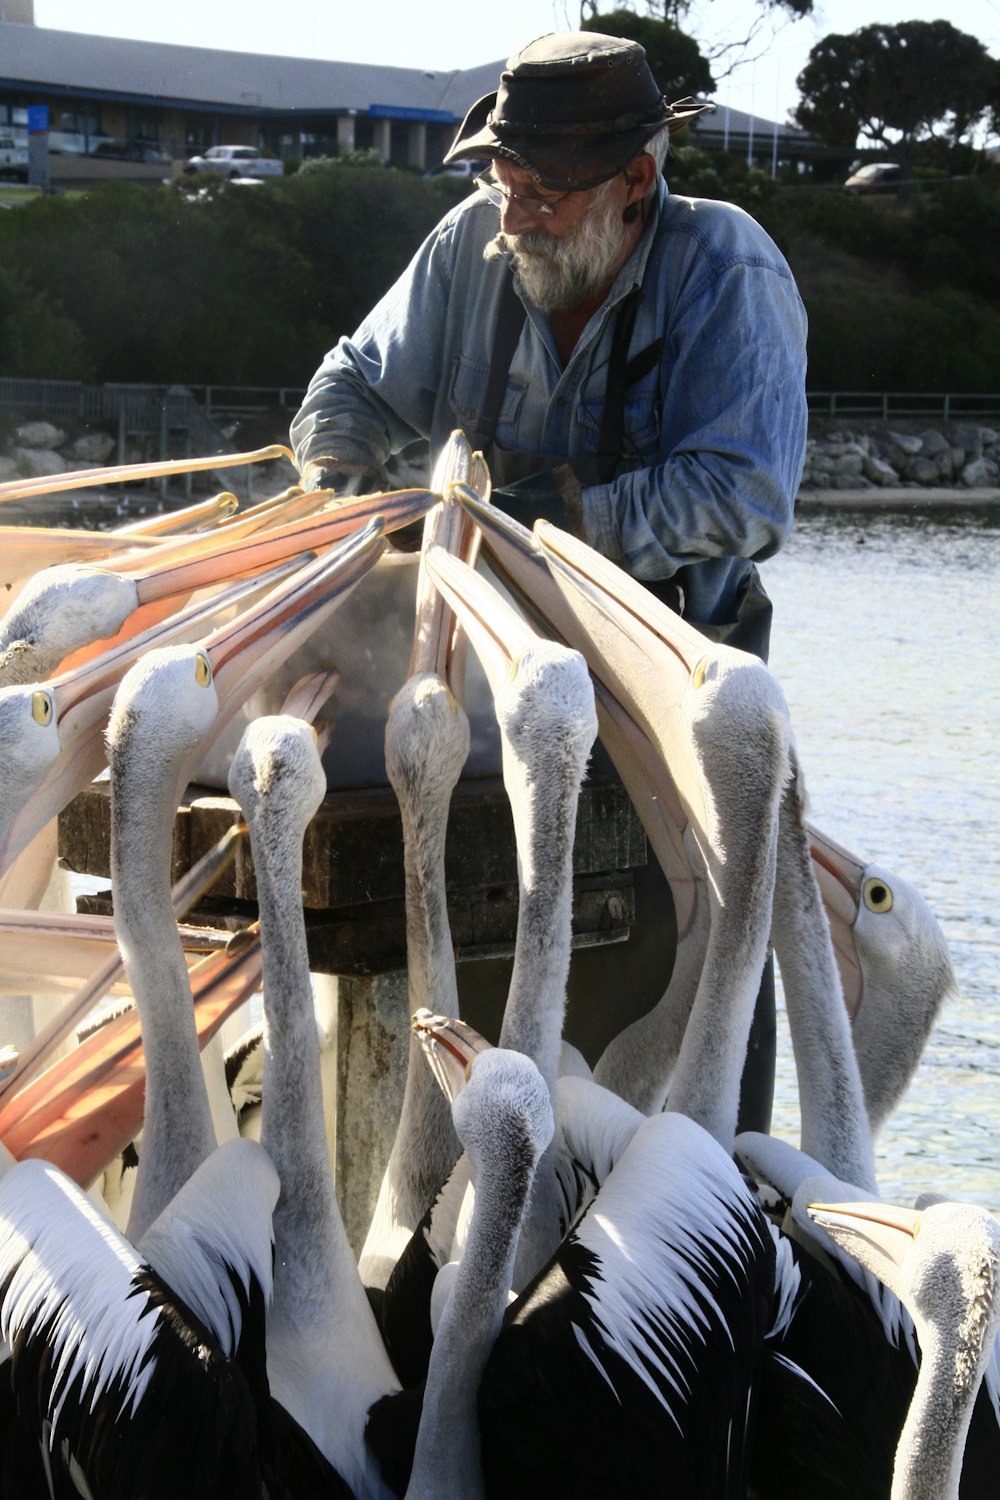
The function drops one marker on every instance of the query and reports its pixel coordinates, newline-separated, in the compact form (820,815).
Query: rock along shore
(905,463)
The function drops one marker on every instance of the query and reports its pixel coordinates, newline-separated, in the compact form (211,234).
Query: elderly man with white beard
(630,361)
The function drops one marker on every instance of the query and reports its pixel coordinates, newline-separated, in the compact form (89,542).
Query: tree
(674,58)
(896,85)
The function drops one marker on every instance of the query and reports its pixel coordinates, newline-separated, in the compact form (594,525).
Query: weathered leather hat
(573,108)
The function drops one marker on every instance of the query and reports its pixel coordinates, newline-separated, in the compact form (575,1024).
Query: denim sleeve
(733,431)
(375,392)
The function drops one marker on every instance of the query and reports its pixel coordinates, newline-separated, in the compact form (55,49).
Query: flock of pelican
(579,1279)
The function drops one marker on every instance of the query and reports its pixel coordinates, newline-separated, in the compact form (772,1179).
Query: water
(884,644)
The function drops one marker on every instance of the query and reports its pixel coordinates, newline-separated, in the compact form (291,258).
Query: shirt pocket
(467,400)
(640,436)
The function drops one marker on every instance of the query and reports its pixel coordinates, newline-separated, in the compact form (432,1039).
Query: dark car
(876,177)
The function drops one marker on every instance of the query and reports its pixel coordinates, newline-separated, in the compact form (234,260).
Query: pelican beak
(449,1046)
(179,568)
(439,644)
(69,714)
(27,550)
(80,479)
(87,1107)
(497,632)
(244,653)
(840,877)
(877,1234)
(642,654)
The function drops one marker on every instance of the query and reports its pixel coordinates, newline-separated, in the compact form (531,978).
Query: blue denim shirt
(714,436)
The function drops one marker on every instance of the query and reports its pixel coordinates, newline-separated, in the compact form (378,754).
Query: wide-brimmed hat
(573,108)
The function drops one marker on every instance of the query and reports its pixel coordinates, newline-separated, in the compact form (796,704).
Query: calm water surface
(884,641)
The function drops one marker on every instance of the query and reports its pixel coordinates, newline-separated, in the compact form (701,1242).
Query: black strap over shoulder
(622,374)
(506,334)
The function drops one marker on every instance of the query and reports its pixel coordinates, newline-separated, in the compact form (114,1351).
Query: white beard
(563,271)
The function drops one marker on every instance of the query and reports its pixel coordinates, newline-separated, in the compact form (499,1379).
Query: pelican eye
(41,707)
(878,896)
(699,673)
(468,1070)
(202,669)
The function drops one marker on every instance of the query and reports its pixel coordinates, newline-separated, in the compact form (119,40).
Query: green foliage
(698,173)
(219,284)
(38,340)
(900,294)
(900,82)
(674,58)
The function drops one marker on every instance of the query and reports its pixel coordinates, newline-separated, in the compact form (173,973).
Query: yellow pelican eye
(202,669)
(41,707)
(468,1070)
(878,896)
(698,675)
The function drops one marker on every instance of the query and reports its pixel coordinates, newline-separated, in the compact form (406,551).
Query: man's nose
(515,218)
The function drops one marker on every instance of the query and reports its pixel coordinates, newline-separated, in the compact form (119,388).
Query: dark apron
(749,629)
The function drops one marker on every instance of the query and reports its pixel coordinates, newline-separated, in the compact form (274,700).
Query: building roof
(74,63)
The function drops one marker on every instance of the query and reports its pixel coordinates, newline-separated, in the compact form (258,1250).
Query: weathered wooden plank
(353,850)
(363,941)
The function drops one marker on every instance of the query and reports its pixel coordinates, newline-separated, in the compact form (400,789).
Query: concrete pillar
(345,132)
(382,138)
(417,144)
(372,1042)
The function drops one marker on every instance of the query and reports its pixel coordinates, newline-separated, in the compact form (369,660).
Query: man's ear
(640,174)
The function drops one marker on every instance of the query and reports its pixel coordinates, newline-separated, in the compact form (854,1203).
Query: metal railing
(168,421)
(140,409)
(949,407)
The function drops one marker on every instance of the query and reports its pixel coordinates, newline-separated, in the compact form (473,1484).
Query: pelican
(718,726)
(634,1353)
(894,963)
(67,608)
(544,704)
(126,1365)
(426,747)
(142,1370)
(503,1119)
(325,1356)
(901,960)
(166,710)
(51,734)
(944,1264)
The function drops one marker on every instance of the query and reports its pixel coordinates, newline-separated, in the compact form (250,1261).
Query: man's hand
(553,495)
(328,473)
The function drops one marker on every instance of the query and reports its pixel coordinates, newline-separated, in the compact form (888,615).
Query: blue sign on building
(404,112)
(38,119)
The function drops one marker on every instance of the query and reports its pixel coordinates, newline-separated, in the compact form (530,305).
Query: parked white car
(235,161)
(13,158)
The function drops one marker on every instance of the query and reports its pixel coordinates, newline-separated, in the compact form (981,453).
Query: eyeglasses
(539,208)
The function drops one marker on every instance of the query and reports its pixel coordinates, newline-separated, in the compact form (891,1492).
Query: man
(631,362)
(686,469)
